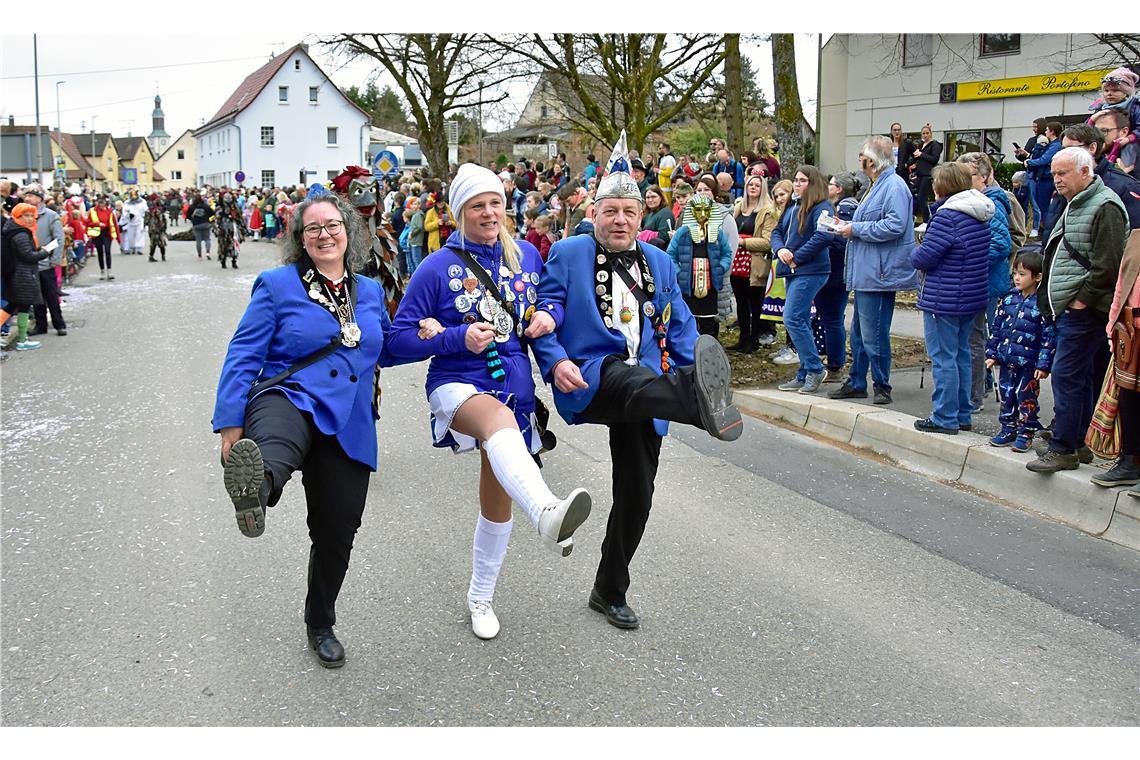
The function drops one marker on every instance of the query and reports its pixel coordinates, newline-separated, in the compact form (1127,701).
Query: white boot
(556,519)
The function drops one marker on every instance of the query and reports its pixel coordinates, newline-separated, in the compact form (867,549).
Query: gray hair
(981,162)
(1081,158)
(358,246)
(881,151)
(1019,177)
(845,181)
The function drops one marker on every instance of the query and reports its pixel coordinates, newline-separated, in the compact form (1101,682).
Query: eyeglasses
(314,230)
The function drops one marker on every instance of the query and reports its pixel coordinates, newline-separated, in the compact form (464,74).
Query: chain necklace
(344,312)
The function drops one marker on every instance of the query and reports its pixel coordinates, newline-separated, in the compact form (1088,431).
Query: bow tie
(625,258)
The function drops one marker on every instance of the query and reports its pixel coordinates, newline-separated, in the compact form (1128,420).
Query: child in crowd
(1118,91)
(682,192)
(1020,184)
(1023,342)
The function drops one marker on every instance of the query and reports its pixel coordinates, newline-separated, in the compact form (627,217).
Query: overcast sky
(112,82)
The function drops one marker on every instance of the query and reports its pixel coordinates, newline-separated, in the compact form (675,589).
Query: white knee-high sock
(517,473)
(487,555)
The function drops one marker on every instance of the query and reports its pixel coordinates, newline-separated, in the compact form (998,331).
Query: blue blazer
(281,326)
(568,282)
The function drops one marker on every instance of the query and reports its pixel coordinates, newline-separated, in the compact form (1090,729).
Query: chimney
(11,120)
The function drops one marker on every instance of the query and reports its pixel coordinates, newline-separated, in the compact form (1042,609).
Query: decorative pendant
(649,309)
(470,283)
(626,315)
(488,307)
(462,303)
(503,271)
(608,322)
(503,325)
(603,275)
(510,296)
(526,276)
(350,333)
(601,259)
(529,313)
(666,313)
(519,285)
(600,290)
(532,294)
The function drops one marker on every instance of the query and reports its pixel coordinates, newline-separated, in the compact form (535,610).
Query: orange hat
(21,209)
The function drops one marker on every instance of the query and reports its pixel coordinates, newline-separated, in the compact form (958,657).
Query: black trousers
(749,307)
(51,302)
(627,400)
(922,187)
(335,491)
(103,248)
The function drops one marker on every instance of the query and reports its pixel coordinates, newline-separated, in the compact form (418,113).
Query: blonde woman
(755,215)
(479,382)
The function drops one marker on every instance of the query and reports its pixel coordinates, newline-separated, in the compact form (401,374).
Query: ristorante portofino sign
(1042,84)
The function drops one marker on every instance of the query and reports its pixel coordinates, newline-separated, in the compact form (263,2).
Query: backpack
(1017,226)
(404,237)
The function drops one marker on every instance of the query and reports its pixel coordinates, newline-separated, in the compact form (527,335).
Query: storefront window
(1000,44)
(986,141)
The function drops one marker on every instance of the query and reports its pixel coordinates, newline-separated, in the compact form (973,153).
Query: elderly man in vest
(1082,258)
(626,355)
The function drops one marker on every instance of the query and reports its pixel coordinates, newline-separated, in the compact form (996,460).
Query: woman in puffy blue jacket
(804,263)
(954,269)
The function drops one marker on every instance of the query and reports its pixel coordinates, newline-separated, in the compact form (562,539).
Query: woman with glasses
(296,393)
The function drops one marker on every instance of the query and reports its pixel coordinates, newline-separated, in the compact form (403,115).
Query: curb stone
(1068,497)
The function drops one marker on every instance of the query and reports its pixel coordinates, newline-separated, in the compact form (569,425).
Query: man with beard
(626,355)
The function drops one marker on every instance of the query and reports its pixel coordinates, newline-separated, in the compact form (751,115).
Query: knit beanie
(472,180)
(1123,78)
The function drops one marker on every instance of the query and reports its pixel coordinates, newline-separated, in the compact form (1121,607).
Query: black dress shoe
(712,376)
(61,332)
(617,615)
(882,397)
(330,652)
(930,426)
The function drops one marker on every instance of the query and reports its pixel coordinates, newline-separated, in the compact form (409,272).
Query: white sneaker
(484,624)
(785,356)
(558,522)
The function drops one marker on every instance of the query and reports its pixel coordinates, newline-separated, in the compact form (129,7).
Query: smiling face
(616,222)
(754,187)
(482,217)
(325,247)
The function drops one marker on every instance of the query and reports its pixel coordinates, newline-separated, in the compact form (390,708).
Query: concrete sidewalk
(967,458)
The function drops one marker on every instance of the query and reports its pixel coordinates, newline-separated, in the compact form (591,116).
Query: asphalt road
(781,581)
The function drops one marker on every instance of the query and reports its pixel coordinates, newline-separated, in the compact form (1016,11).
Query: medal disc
(603,275)
(454,270)
(488,306)
(529,313)
(649,309)
(531,294)
(601,259)
(455,285)
(519,285)
(350,332)
(470,283)
(462,303)
(600,290)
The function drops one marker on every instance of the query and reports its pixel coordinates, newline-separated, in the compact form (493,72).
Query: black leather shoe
(929,426)
(330,652)
(617,615)
(712,376)
(846,391)
(881,397)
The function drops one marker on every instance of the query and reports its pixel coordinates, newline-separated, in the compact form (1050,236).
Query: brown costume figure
(357,186)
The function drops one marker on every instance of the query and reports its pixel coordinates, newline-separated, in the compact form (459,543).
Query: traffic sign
(239,177)
(386,164)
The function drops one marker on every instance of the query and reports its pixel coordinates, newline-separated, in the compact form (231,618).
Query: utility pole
(58,125)
(39,145)
(94,168)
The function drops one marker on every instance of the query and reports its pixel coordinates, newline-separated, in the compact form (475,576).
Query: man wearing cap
(639,177)
(624,352)
(48,228)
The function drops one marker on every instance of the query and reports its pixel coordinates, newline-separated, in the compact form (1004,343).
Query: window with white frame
(268,178)
(267,137)
(282,94)
(176,174)
(918,49)
(142,167)
(313,92)
(331,134)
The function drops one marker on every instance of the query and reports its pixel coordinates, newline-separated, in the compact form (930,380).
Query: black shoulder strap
(309,360)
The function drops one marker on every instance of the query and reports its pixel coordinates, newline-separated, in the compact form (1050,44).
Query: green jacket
(1092,229)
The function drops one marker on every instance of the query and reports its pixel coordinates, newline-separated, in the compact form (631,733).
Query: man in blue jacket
(1039,170)
(625,354)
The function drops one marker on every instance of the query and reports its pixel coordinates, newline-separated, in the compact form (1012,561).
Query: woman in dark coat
(21,281)
(923,160)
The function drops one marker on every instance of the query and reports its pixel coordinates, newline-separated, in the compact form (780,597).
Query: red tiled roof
(68,145)
(253,84)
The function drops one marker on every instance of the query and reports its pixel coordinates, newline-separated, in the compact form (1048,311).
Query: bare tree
(436,73)
(789,112)
(636,81)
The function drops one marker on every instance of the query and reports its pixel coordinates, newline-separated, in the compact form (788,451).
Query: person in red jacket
(103,228)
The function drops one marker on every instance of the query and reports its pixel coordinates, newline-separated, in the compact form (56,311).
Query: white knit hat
(472,180)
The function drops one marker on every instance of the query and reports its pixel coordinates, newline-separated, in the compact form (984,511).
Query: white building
(286,124)
(179,163)
(979,91)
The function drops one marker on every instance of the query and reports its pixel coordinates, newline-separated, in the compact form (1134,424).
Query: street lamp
(58,123)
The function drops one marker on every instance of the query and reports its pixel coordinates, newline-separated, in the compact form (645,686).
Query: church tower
(158,139)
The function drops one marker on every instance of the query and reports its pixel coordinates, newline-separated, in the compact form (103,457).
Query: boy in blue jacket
(1023,343)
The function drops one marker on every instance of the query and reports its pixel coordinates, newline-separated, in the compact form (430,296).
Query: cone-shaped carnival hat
(616,181)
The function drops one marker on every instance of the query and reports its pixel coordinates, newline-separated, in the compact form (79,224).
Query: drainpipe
(238,128)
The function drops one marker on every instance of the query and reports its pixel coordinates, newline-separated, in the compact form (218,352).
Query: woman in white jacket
(131,222)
